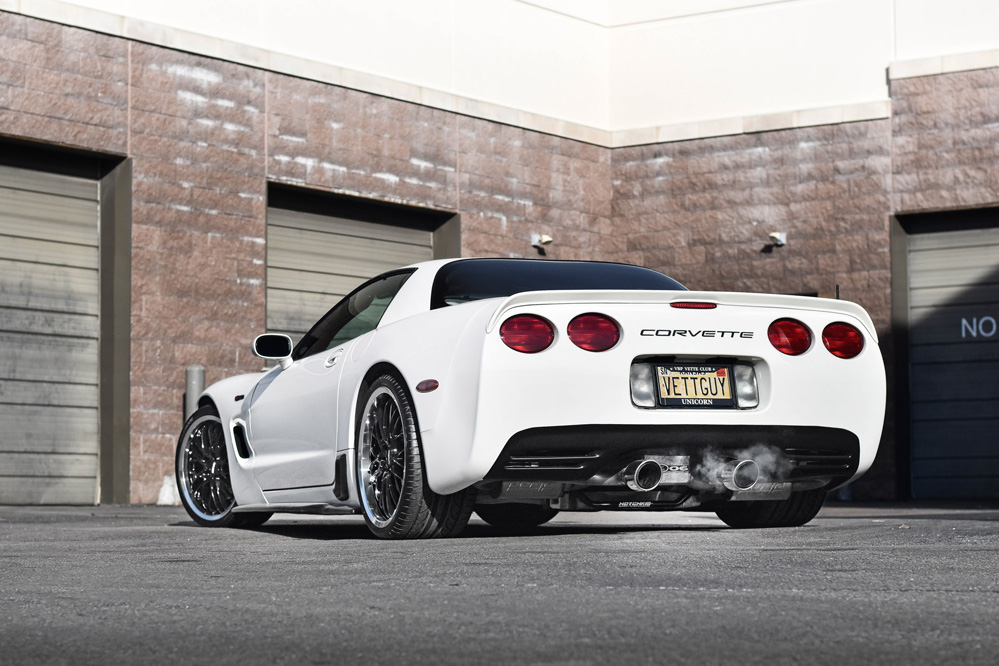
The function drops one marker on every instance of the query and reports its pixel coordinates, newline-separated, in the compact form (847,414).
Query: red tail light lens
(789,336)
(527,334)
(593,332)
(843,340)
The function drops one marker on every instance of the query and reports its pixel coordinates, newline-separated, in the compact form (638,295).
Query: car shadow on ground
(319,531)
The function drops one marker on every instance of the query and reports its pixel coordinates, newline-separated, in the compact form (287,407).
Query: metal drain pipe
(195,386)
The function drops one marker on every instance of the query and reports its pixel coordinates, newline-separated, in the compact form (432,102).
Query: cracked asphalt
(886,584)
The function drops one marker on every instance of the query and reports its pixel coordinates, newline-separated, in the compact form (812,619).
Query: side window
(357,314)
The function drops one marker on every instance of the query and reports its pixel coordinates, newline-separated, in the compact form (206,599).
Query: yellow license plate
(695,386)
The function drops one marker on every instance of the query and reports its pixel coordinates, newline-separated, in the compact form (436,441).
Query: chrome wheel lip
(378,469)
(217,461)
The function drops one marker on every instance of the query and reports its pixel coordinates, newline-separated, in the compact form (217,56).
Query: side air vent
(239,440)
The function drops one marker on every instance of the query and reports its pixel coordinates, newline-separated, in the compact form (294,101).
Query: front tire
(202,472)
(395,499)
(795,511)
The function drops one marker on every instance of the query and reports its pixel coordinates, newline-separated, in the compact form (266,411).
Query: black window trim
(436,300)
(299,351)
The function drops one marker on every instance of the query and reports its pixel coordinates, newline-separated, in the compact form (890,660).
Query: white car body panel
(291,414)
(299,419)
(517,391)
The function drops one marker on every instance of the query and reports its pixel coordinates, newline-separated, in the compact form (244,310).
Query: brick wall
(198,211)
(514,182)
(701,211)
(337,139)
(946,141)
(506,182)
(63,85)
(206,136)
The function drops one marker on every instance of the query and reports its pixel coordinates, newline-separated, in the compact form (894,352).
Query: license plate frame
(695,386)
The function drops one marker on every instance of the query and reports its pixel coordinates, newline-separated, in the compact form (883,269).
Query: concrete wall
(750,61)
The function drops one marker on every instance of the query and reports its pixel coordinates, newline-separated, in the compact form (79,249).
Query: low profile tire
(795,511)
(514,516)
(202,466)
(395,499)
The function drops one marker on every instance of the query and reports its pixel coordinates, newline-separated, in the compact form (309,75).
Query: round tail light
(789,336)
(527,334)
(593,332)
(843,340)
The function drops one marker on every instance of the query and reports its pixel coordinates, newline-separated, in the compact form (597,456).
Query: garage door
(954,363)
(314,260)
(48,338)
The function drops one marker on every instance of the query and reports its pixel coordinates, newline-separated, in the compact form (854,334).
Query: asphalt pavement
(877,584)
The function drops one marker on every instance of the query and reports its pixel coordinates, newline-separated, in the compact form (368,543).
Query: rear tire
(515,516)
(396,501)
(795,511)
(202,472)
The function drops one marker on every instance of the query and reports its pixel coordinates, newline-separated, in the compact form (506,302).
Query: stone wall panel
(946,141)
(197,141)
(63,85)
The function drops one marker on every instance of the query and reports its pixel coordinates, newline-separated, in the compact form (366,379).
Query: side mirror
(273,347)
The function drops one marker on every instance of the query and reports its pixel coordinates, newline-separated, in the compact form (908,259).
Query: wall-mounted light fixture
(539,241)
(778,238)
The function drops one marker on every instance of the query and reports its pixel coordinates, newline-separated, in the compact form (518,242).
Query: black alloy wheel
(202,467)
(396,500)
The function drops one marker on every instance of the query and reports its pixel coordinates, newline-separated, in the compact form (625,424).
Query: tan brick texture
(946,141)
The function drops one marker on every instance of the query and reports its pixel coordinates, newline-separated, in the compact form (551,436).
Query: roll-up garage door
(315,260)
(48,338)
(954,363)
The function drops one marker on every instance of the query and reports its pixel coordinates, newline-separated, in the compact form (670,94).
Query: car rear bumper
(592,454)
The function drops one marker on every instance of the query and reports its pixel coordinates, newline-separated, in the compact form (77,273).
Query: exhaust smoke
(742,469)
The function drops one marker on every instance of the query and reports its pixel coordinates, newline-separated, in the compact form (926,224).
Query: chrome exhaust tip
(643,475)
(739,474)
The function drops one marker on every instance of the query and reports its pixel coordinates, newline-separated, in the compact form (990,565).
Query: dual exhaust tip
(739,474)
(643,475)
(735,475)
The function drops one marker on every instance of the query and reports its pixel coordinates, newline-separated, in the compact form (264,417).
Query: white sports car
(520,388)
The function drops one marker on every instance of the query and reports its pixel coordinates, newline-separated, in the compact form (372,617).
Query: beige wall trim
(748,124)
(950,64)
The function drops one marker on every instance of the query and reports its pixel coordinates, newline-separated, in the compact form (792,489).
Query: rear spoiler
(728,298)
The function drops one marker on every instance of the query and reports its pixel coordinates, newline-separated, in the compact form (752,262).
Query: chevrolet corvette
(518,388)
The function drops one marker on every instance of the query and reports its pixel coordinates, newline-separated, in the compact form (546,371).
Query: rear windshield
(477,279)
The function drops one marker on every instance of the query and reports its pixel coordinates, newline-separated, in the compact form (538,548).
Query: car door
(291,423)
(292,413)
